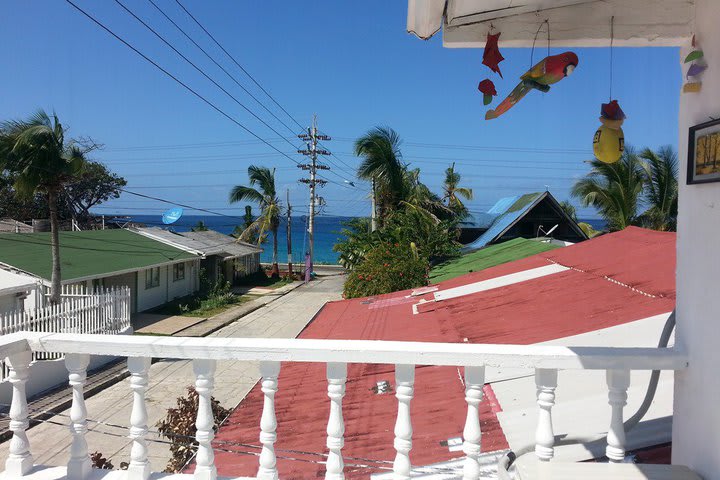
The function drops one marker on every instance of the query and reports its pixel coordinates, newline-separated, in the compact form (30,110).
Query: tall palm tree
(420,199)
(614,189)
(382,163)
(270,207)
(452,191)
(36,151)
(661,188)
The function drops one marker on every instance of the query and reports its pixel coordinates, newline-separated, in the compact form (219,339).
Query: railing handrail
(361,351)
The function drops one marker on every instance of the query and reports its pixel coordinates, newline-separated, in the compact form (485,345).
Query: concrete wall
(696,424)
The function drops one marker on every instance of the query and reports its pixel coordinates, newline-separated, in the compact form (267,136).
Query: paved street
(282,318)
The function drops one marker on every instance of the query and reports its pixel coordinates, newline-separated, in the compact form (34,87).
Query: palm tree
(569,209)
(615,190)
(661,188)
(420,199)
(35,150)
(453,191)
(382,163)
(270,207)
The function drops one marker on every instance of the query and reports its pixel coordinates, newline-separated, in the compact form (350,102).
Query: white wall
(181,288)
(8,303)
(696,424)
(168,289)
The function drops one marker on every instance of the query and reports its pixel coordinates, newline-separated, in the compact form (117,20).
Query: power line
(202,72)
(180,82)
(237,63)
(232,77)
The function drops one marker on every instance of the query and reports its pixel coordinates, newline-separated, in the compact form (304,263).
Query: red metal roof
(614,279)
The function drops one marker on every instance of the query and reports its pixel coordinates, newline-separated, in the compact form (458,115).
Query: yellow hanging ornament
(609,140)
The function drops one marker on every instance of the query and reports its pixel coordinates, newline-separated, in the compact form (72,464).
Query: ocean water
(327,230)
(327,233)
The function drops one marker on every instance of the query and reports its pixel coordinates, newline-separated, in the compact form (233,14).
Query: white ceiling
(583,23)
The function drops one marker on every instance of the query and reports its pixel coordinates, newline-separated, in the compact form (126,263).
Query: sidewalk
(285,317)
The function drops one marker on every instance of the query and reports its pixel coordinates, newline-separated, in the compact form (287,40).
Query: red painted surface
(556,306)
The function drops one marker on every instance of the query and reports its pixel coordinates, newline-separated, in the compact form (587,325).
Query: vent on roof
(383,386)
(454,444)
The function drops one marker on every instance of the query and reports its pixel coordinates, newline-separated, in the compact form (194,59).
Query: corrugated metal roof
(88,254)
(613,279)
(205,243)
(173,238)
(11,282)
(223,243)
(508,210)
(509,251)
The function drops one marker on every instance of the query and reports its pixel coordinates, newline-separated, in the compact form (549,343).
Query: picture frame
(704,153)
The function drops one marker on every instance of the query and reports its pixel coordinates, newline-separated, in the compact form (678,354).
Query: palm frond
(241,193)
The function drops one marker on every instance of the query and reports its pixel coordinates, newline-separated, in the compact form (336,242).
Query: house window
(152,278)
(178,272)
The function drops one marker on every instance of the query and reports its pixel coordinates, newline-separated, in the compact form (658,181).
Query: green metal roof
(89,254)
(488,257)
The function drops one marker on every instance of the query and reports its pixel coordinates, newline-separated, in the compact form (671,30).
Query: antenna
(171,216)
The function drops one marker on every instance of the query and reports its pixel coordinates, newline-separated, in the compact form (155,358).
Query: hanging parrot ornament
(487,88)
(491,55)
(609,139)
(548,71)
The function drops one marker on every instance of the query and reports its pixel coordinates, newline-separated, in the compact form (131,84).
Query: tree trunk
(55,247)
(275,272)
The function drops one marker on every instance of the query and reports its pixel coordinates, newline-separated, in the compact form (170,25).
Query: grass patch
(199,306)
(261,279)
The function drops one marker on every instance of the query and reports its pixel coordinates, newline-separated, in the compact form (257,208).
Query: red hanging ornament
(487,88)
(492,56)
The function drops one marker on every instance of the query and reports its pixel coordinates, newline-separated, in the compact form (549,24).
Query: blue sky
(351,63)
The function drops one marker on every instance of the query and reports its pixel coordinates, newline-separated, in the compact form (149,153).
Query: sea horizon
(327,232)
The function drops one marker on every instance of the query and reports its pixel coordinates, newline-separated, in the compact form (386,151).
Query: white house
(18,291)
(155,272)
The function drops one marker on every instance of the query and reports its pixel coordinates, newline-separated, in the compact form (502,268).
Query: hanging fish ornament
(548,71)
(491,55)
(609,139)
(487,88)
(696,59)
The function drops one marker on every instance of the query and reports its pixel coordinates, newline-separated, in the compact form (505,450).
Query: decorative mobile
(487,88)
(609,140)
(491,55)
(548,71)
(696,59)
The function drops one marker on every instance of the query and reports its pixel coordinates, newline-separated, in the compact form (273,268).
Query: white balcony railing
(204,352)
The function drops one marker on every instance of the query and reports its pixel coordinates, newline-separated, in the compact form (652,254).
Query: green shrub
(387,267)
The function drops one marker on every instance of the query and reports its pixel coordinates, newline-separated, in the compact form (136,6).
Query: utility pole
(289,233)
(373,213)
(311,139)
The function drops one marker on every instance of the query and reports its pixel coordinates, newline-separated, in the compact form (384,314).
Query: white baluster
(204,383)
(404,379)
(546,382)
(336,376)
(618,382)
(79,464)
(474,381)
(19,461)
(139,468)
(268,423)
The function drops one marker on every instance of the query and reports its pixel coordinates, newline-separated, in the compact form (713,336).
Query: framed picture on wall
(704,153)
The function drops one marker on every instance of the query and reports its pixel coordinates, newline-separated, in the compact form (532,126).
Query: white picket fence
(105,311)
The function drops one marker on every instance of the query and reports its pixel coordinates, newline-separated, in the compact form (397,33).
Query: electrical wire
(183,84)
(238,64)
(232,77)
